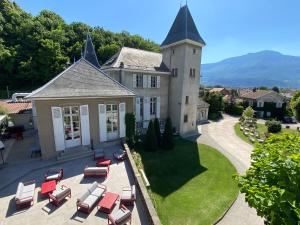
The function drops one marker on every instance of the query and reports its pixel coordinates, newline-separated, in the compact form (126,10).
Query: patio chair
(95,171)
(120,217)
(89,199)
(54,174)
(59,195)
(25,193)
(128,196)
(120,155)
(98,153)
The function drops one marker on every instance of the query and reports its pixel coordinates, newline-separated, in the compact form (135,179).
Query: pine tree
(167,141)
(150,143)
(157,131)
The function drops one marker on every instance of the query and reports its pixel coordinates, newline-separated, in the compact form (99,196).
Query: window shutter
(122,110)
(146,111)
(158,82)
(134,81)
(149,81)
(102,122)
(158,107)
(145,81)
(137,109)
(85,125)
(58,128)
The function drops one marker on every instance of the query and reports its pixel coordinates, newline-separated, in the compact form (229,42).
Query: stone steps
(75,153)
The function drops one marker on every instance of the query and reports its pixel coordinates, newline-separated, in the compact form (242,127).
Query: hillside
(34,49)
(265,68)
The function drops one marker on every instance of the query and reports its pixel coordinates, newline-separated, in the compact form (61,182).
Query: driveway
(221,136)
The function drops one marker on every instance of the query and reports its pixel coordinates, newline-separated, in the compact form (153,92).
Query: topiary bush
(130,129)
(167,140)
(150,142)
(157,131)
(273,126)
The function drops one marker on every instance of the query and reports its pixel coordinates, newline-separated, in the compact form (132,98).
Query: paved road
(221,136)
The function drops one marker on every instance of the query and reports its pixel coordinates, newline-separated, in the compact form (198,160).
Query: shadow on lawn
(167,171)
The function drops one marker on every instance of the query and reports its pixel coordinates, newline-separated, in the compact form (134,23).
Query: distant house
(222,91)
(266,103)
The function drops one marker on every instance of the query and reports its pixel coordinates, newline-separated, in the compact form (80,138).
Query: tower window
(185,119)
(186,99)
(192,73)
(174,72)
(173,51)
(194,51)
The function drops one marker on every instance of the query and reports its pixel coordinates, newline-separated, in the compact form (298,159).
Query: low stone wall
(150,210)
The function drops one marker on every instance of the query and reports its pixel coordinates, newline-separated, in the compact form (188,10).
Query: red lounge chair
(96,171)
(120,217)
(59,195)
(54,174)
(25,194)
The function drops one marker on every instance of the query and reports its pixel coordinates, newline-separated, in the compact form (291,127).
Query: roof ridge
(138,49)
(106,75)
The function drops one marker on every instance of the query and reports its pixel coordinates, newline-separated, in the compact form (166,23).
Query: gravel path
(221,136)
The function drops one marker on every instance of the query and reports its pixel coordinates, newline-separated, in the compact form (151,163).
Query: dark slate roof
(183,28)
(82,79)
(136,59)
(89,52)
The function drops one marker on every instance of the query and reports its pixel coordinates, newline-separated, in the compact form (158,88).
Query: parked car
(289,119)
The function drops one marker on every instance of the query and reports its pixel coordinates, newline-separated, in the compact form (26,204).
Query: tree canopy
(34,49)
(272,183)
(295,104)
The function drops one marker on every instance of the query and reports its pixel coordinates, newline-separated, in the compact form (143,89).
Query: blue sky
(230,28)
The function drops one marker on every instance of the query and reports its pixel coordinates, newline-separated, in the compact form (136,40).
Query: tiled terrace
(43,212)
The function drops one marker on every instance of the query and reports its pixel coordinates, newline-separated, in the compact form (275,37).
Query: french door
(72,126)
(112,121)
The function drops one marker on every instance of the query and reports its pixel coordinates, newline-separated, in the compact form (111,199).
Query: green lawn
(261,128)
(191,184)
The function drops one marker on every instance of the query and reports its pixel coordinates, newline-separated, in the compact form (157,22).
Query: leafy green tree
(167,140)
(157,131)
(295,104)
(3,110)
(248,112)
(272,183)
(130,128)
(150,142)
(276,89)
(216,104)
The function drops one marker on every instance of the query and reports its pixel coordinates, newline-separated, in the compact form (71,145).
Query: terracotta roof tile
(16,107)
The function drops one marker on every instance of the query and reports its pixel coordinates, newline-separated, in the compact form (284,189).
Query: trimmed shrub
(157,131)
(234,109)
(130,129)
(167,140)
(214,116)
(150,142)
(273,126)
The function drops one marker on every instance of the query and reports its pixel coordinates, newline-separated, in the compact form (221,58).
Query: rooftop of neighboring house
(136,59)
(256,94)
(16,107)
(218,90)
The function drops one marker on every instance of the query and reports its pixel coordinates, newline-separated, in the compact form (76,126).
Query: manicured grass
(261,128)
(191,184)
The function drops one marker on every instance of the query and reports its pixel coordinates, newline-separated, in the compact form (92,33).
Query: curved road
(221,136)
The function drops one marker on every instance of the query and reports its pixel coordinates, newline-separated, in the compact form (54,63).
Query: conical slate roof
(89,52)
(183,28)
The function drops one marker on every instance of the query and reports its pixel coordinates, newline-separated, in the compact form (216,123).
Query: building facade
(167,83)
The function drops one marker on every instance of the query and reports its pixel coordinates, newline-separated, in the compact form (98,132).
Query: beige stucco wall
(126,78)
(44,118)
(181,86)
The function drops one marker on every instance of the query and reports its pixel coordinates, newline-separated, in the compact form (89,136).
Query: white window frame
(153,81)
(278,105)
(260,104)
(139,81)
(153,106)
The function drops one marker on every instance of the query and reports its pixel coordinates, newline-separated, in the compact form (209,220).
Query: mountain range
(265,68)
